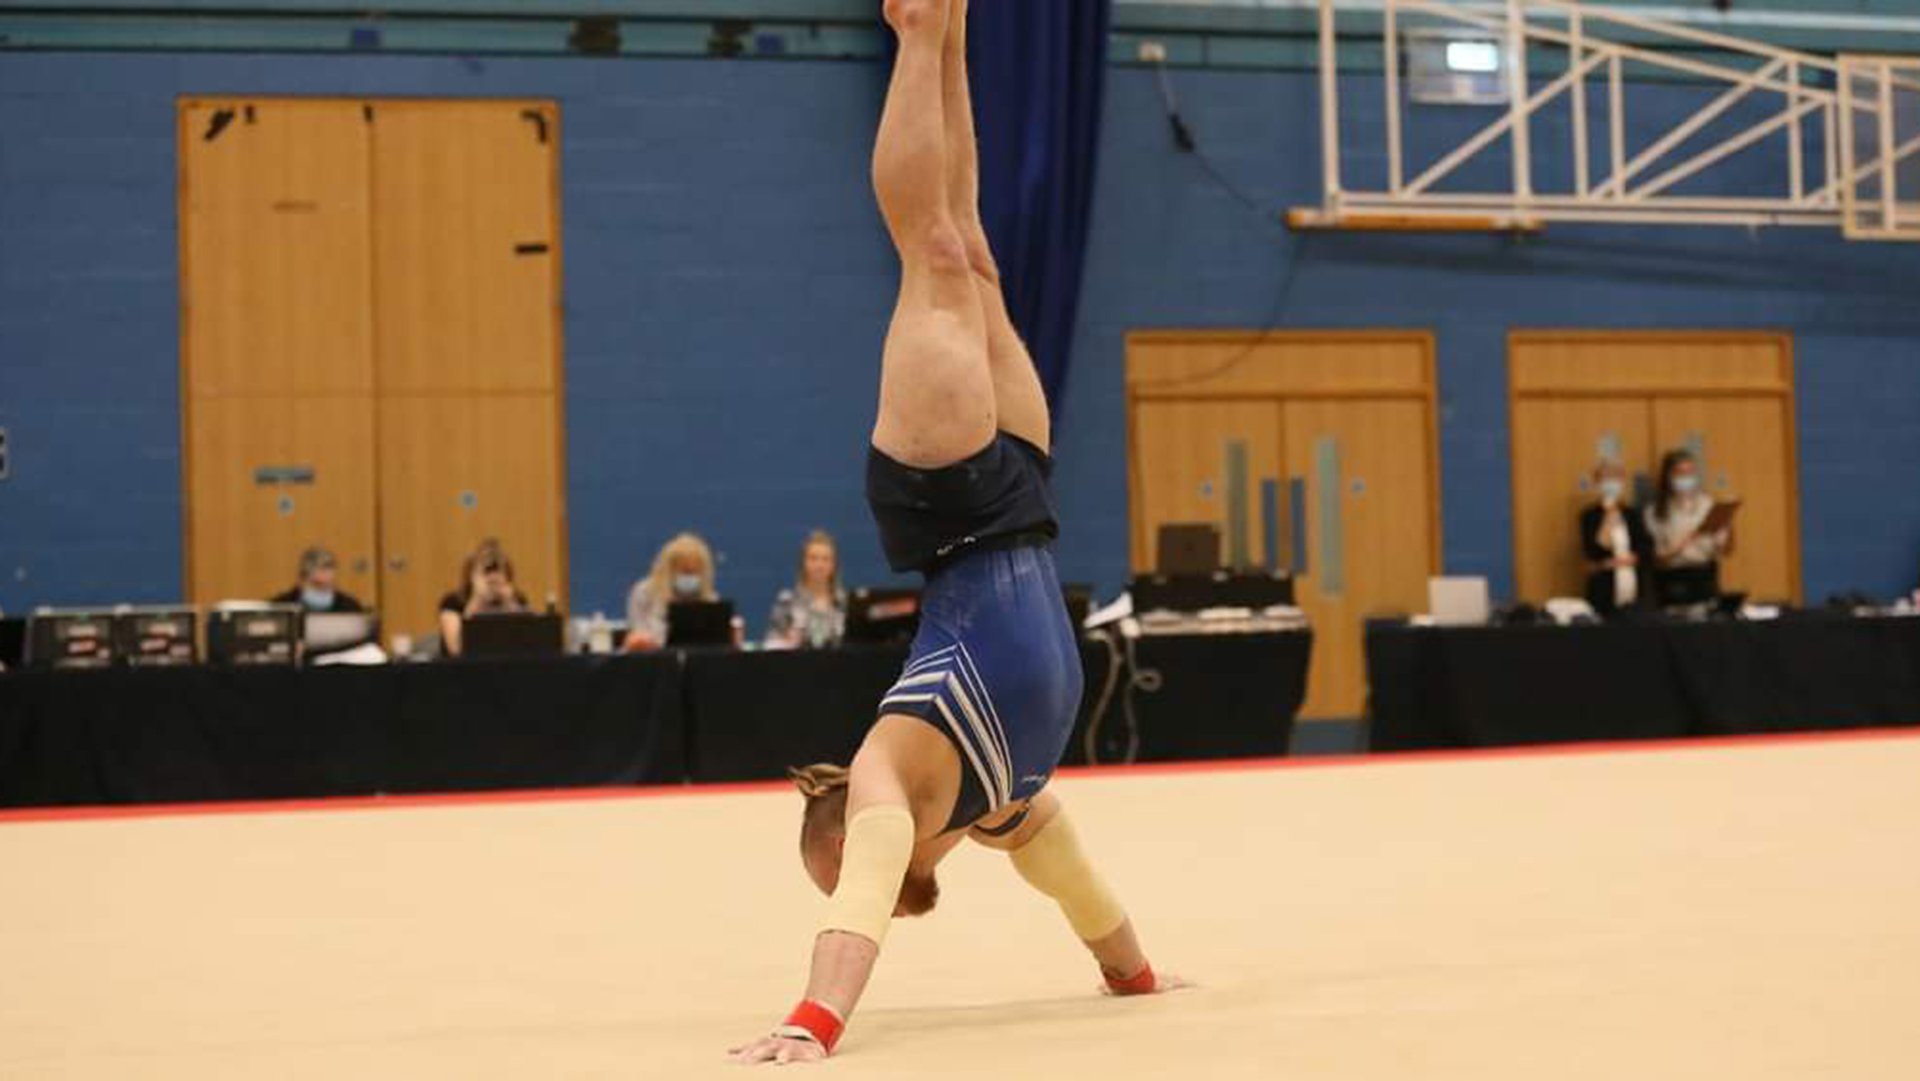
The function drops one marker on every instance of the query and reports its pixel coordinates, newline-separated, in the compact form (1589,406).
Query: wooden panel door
(467,246)
(455,470)
(276,250)
(1370,511)
(1556,444)
(1180,473)
(245,530)
(1746,449)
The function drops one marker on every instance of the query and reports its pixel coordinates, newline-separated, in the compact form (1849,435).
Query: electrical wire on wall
(1185,141)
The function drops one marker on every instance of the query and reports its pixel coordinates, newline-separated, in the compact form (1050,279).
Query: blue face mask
(317,600)
(686,585)
(1612,489)
(1686,483)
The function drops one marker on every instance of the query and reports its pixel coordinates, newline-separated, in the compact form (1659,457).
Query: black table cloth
(1491,686)
(189,734)
(751,715)
(199,734)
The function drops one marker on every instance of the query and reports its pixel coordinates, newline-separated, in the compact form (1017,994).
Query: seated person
(486,585)
(813,614)
(1619,551)
(682,571)
(1686,561)
(315,590)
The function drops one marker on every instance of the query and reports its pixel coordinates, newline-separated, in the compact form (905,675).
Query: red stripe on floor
(1232,765)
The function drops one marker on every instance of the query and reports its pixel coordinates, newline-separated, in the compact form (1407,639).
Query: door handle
(361,564)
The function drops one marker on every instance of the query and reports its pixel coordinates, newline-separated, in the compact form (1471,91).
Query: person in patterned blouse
(812,614)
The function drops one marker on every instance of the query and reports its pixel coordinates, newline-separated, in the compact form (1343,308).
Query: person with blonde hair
(812,614)
(959,481)
(682,571)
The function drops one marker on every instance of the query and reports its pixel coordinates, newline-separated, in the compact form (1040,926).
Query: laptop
(332,632)
(1188,549)
(700,623)
(883,616)
(497,635)
(1459,602)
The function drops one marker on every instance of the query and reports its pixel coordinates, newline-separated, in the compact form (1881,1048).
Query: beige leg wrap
(1053,863)
(872,866)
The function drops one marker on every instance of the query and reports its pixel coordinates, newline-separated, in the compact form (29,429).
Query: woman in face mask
(318,589)
(683,571)
(1618,549)
(1686,559)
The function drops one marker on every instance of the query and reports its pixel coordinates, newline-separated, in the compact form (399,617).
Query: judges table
(202,734)
(1493,686)
(1218,696)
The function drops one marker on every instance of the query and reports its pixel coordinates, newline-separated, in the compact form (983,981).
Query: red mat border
(1232,765)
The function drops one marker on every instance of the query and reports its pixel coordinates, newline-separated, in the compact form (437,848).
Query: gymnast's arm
(1046,851)
(879,845)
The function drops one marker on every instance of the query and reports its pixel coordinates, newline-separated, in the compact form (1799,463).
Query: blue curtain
(1039,69)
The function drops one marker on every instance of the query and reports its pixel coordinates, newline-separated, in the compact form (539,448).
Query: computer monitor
(66,638)
(254,634)
(700,623)
(1188,549)
(157,637)
(883,615)
(498,635)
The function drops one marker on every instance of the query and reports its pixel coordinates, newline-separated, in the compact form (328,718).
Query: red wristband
(1141,983)
(818,1020)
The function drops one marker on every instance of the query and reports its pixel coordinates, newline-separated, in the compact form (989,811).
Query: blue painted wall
(728,284)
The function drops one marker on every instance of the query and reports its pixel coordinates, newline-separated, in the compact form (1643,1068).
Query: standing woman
(1619,550)
(813,614)
(1686,560)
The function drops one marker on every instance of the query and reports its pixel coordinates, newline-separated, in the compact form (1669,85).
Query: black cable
(1184,140)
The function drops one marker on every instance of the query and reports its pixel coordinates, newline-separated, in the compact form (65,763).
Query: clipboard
(1720,517)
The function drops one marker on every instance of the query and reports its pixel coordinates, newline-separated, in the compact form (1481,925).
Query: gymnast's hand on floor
(1157,983)
(778,1050)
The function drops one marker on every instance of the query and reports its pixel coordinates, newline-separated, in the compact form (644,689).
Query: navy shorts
(996,667)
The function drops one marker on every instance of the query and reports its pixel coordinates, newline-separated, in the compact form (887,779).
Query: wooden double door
(1313,452)
(1580,397)
(370,344)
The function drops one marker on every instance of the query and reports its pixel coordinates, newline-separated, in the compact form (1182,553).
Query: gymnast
(958,482)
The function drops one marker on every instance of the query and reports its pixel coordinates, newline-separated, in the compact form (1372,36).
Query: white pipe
(1522,132)
(1329,107)
(1796,183)
(1580,180)
(1496,129)
(1706,115)
(1392,33)
(1617,115)
(1719,151)
(1889,179)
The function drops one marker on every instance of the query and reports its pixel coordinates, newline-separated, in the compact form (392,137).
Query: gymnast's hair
(825,787)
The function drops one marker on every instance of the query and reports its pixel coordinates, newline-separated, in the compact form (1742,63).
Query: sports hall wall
(727,283)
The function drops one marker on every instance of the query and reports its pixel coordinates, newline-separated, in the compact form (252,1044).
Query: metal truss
(1846,130)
